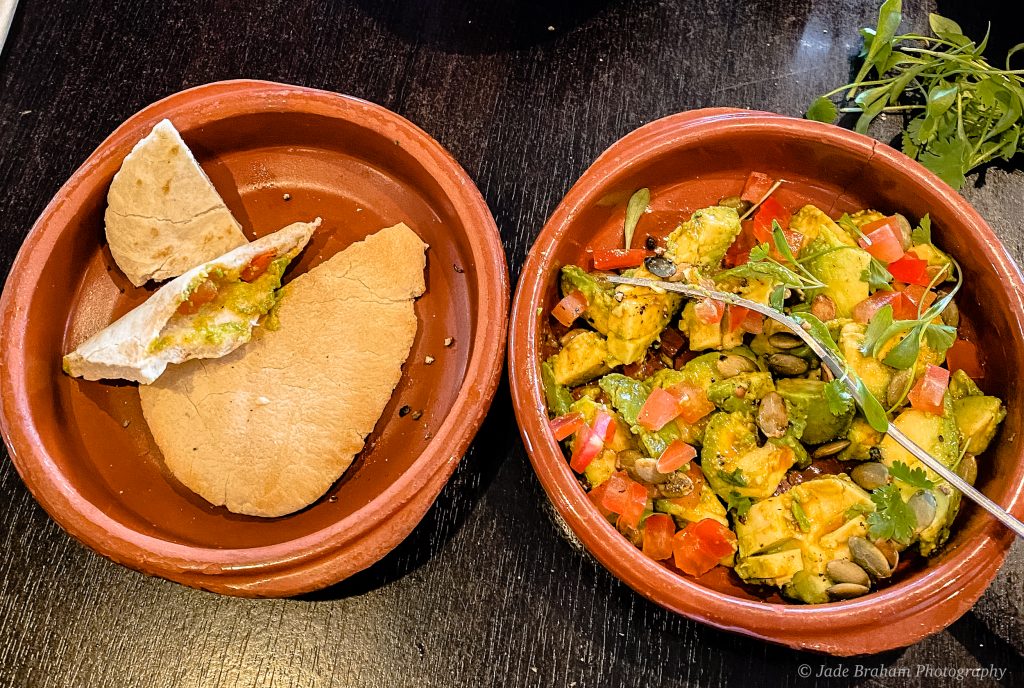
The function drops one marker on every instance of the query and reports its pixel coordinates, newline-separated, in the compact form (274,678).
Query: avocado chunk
(704,336)
(809,414)
(733,463)
(788,540)
(704,239)
(875,375)
(707,507)
(938,435)
(622,439)
(978,419)
(628,396)
(581,360)
(839,263)
(741,392)
(600,295)
(961,385)
(863,438)
(601,468)
(557,396)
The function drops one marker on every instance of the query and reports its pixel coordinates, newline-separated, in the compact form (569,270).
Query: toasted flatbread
(266,430)
(163,215)
(139,345)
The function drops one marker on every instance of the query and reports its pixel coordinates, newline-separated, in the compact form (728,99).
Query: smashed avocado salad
(712,436)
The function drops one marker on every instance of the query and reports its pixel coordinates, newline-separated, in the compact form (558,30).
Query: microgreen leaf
(634,209)
(819,331)
(879,324)
(914,477)
(904,354)
(777,298)
(873,411)
(892,518)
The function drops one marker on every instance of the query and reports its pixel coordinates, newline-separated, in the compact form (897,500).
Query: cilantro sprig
(915,477)
(960,110)
(892,519)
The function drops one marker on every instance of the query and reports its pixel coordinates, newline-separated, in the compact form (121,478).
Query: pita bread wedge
(163,215)
(266,430)
(207,312)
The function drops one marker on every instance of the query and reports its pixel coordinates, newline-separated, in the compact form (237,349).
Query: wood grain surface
(525,94)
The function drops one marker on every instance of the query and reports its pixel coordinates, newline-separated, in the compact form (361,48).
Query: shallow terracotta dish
(277,154)
(689,161)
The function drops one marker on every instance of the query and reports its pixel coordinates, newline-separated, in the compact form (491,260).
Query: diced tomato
(963,355)
(203,294)
(882,239)
(614,497)
(571,307)
(753,323)
(700,546)
(257,266)
(758,184)
(918,298)
(709,311)
(563,426)
(770,210)
(739,249)
(910,269)
(676,455)
(902,307)
(930,390)
(618,258)
(590,441)
(716,538)
(658,532)
(692,400)
(660,408)
(596,496)
(636,502)
(736,316)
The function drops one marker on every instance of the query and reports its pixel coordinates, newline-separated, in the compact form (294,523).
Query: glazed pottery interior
(274,162)
(689,162)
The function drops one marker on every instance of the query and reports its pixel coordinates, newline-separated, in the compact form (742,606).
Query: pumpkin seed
(898,387)
(772,417)
(924,506)
(736,203)
(891,554)
(869,557)
(626,459)
(787,364)
(823,307)
(647,471)
(677,485)
(730,365)
(906,233)
(871,475)
(785,341)
(968,468)
(830,449)
(847,591)
(660,266)
(951,314)
(845,571)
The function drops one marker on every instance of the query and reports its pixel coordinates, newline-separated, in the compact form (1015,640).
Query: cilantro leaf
(922,234)
(822,110)
(741,505)
(892,518)
(800,516)
(838,399)
(915,477)
(939,337)
(634,209)
(735,478)
(877,276)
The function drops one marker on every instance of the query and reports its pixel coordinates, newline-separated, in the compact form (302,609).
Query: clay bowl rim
(915,599)
(189,109)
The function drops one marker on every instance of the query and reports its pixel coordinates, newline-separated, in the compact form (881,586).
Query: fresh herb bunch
(961,111)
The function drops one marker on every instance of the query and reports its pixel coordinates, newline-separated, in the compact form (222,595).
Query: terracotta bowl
(689,161)
(83,448)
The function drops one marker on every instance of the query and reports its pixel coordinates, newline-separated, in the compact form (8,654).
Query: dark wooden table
(487,591)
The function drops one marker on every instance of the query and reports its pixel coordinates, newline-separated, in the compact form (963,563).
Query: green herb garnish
(892,518)
(735,478)
(800,516)
(741,505)
(838,399)
(961,111)
(856,510)
(915,477)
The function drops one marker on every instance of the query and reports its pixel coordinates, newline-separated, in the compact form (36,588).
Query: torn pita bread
(266,430)
(163,215)
(140,344)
